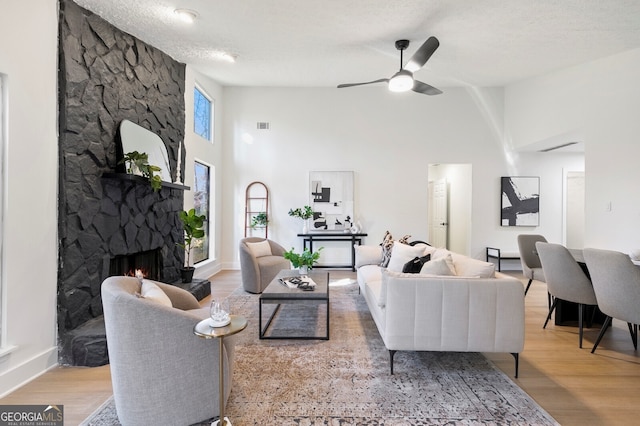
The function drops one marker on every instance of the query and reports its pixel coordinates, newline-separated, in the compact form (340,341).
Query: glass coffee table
(279,294)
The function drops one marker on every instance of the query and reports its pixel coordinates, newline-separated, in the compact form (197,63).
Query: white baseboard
(26,371)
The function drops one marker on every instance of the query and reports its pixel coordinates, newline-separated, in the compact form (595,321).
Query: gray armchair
(565,280)
(162,374)
(531,266)
(258,272)
(616,281)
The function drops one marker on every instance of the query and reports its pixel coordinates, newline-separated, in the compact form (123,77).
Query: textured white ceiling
(326,42)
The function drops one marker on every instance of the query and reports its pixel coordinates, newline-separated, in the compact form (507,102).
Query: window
(201,203)
(202,114)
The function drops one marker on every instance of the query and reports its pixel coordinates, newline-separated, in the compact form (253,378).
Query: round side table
(206,331)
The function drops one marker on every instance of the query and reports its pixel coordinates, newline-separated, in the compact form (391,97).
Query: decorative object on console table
(305,213)
(331,199)
(303,261)
(193,224)
(520,201)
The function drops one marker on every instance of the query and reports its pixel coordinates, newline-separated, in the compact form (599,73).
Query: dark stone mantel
(142,180)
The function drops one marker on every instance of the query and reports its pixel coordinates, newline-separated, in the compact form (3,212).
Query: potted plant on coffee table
(303,261)
(193,230)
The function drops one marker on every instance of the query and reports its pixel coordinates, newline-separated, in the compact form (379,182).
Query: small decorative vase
(305,229)
(304,270)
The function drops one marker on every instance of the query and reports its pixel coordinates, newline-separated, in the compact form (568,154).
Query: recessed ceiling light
(186,15)
(224,56)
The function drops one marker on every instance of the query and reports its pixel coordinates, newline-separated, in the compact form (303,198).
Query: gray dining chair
(616,281)
(531,267)
(565,280)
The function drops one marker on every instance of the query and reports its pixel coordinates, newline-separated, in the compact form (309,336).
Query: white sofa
(466,307)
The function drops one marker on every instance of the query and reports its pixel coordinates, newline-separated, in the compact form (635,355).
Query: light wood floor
(573,385)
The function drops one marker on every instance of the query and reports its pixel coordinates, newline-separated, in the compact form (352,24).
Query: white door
(439,213)
(574,213)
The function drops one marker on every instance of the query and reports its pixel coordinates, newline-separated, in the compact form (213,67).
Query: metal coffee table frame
(276,293)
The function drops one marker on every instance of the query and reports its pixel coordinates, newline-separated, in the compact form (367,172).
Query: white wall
(600,100)
(209,153)
(386,139)
(28,56)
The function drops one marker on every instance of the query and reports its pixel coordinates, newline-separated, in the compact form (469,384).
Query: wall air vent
(263,125)
(553,148)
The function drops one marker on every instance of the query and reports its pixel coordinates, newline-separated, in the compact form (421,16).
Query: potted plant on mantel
(193,230)
(303,213)
(303,261)
(138,164)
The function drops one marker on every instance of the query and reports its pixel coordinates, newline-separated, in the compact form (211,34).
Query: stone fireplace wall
(106,76)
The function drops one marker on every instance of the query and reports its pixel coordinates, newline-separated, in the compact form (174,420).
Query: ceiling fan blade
(422,55)
(424,88)
(340,86)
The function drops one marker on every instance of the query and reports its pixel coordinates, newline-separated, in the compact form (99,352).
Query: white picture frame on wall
(331,199)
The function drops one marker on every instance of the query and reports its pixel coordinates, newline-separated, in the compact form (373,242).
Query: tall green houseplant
(193,230)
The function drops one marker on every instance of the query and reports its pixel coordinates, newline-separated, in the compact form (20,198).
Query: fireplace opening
(148,262)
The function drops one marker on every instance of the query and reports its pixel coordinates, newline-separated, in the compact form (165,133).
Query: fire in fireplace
(148,262)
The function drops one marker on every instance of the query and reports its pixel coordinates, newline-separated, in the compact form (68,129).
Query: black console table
(348,237)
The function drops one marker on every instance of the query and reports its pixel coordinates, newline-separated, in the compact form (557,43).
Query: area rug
(346,380)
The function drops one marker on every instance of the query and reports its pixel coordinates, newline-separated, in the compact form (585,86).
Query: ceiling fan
(403,80)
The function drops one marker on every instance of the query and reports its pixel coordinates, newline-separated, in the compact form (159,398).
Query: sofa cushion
(367,255)
(260,249)
(443,266)
(401,254)
(469,267)
(152,292)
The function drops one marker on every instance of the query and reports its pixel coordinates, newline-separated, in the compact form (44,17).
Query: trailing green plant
(306,258)
(140,161)
(193,230)
(303,213)
(260,219)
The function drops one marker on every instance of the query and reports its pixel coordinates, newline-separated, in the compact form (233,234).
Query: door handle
(444,224)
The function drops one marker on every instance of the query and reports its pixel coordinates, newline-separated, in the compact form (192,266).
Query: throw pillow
(469,267)
(367,255)
(151,291)
(387,245)
(260,249)
(415,265)
(442,266)
(401,254)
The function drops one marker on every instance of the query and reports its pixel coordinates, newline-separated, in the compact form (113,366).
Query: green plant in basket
(260,219)
(306,258)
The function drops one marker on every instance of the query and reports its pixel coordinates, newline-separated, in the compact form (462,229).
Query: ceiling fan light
(402,81)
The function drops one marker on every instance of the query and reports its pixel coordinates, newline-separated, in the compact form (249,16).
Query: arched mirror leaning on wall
(136,138)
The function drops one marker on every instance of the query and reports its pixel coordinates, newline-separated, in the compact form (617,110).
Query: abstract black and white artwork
(520,201)
(331,198)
